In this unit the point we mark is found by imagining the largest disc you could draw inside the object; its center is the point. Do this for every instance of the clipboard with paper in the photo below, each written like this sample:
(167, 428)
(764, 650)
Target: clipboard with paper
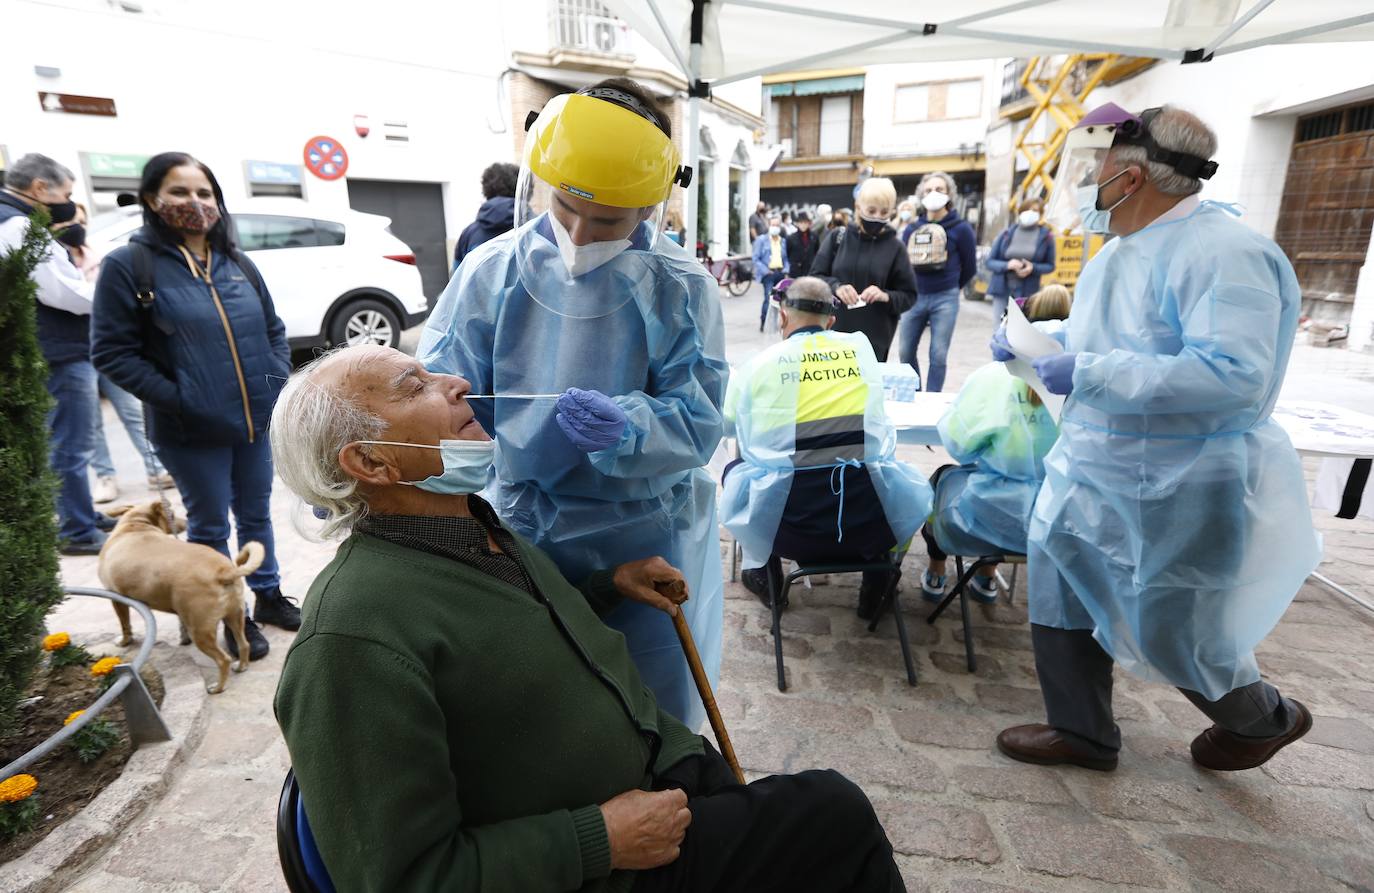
(1029, 343)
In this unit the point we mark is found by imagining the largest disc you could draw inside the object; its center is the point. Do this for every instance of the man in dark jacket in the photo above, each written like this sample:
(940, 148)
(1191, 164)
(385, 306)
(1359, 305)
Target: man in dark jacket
(497, 214)
(64, 323)
(940, 278)
(802, 246)
(866, 267)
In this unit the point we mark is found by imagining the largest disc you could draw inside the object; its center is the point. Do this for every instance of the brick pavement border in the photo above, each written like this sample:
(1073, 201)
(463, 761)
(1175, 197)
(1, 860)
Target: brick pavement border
(58, 859)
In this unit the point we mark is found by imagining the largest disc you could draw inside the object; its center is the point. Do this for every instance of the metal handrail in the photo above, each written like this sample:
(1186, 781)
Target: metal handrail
(126, 678)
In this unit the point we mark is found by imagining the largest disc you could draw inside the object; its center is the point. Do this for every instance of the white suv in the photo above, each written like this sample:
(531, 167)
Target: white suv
(335, 277)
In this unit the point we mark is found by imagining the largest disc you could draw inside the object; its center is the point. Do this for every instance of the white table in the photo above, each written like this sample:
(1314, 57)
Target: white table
(916, 420)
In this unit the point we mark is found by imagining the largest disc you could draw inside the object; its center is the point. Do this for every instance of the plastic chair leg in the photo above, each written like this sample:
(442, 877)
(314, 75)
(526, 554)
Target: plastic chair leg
(901, 631)
(776, 591)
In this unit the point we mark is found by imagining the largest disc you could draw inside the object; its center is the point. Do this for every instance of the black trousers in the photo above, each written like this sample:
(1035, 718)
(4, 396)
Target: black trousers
(1076, 681)
(813, 831)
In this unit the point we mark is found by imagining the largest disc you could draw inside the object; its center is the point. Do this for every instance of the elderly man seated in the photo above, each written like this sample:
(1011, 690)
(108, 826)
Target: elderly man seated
(817, 476)
(458, 716)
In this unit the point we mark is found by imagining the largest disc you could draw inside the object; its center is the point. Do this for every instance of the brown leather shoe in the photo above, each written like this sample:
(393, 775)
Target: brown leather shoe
(1045, 745)
(1226, 751)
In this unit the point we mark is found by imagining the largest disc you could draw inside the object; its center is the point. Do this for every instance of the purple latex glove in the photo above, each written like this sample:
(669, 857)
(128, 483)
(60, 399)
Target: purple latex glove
(590, 419)
(1001, 349)
(1056, 371)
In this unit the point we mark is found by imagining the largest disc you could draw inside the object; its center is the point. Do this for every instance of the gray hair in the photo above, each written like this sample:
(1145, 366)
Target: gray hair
(809, 288)
(310, 425)
(1180, 131)
(950, 188)
(36, 167)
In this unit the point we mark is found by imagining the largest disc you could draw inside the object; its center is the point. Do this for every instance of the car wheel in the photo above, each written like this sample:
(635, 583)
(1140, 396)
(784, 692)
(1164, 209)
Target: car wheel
(365, 322)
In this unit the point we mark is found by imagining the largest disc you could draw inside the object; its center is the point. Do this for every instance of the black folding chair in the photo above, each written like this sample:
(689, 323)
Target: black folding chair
(960, 591)
(779, 585)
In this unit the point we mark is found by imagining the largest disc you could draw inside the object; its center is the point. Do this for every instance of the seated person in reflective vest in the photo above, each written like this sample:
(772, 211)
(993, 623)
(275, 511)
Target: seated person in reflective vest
(458, 715)
(999, 432)
(817, 479)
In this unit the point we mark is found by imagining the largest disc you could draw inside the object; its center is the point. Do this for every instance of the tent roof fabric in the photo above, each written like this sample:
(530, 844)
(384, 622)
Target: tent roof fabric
(748, 38)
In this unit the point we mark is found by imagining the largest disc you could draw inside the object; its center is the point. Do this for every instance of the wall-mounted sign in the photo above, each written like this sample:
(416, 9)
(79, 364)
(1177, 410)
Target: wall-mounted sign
(72, 104)
(274, 172)
(326, 158)
(103, 164)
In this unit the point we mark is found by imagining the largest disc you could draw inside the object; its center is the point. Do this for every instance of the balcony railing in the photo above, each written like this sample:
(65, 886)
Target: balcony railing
(588, 26)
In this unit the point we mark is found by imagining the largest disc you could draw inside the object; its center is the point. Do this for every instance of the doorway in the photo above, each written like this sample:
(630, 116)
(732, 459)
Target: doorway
(417, 218)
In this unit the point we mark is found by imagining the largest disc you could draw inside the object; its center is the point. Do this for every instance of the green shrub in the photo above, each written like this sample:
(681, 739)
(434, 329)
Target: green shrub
(94, 739)
(28, 535)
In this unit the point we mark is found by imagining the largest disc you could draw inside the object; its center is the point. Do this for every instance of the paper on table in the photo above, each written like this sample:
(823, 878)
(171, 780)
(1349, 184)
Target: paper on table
(1029, 343)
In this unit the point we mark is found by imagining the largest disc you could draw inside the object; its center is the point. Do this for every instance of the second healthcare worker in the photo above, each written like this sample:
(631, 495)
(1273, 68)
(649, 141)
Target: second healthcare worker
(586, 300)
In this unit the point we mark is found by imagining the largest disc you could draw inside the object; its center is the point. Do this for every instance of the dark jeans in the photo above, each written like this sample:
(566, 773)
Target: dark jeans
(939, 311)
(214, 480)
(813, 831)
(772, 278)
(71, 432)
(1076, 681)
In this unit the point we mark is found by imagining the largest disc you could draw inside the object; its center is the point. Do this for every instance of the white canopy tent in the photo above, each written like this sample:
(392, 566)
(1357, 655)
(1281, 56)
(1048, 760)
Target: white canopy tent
(717, 42)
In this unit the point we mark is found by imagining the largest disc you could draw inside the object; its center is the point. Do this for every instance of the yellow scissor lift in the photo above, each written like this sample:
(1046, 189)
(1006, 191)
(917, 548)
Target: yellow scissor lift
(1057, 88)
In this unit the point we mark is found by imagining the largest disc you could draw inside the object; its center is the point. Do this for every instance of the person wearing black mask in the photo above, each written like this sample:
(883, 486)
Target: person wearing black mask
(802, 246)
(867, 268)
(64, 319)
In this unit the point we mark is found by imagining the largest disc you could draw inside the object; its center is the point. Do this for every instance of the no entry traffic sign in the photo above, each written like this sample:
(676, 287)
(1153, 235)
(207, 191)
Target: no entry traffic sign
(325, 158)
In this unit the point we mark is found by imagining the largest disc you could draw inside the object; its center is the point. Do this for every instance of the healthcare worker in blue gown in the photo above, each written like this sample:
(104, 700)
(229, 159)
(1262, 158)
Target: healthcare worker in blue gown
(1172, 529)
(584, 299)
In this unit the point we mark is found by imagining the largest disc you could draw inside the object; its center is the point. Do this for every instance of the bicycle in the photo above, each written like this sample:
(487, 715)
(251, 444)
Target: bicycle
(735, 274)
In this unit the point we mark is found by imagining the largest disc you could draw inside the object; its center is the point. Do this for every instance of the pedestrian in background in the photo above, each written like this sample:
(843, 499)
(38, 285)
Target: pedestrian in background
(1019, 257)
(802, 247)
(130, 411)
(943, 252)
(867, 268)
(184, 322)
(758, 222)
(770, 262)
(63, 318)
(497, 214)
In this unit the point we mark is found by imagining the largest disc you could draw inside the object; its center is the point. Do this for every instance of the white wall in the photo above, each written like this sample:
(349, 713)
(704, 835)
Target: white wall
(256, 80)
(1251, 99)
(884, 136)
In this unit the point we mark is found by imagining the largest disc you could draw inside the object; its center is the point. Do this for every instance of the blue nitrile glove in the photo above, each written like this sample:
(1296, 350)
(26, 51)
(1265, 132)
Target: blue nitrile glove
(1056, 371)
(590, 419)
(1001, 348)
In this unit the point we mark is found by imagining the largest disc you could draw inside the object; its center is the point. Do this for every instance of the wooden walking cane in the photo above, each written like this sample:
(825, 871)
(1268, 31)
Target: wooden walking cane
(708, 700)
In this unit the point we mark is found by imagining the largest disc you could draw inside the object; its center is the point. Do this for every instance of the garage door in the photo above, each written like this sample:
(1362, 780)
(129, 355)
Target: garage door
(1328, 207)
(417, 218)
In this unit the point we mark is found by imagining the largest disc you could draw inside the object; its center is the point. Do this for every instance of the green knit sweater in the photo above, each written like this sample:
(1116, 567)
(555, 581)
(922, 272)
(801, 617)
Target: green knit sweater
(451, 732)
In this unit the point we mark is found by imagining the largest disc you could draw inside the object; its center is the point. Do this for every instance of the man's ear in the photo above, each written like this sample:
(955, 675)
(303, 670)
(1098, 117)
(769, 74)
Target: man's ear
(782, 317)
(364, 466)
(830, 321)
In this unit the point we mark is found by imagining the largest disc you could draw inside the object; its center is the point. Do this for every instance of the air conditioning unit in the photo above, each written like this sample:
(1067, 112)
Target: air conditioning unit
(608, 35)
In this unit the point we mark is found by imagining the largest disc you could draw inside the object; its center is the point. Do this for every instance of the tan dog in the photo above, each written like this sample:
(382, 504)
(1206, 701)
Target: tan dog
(144, 561)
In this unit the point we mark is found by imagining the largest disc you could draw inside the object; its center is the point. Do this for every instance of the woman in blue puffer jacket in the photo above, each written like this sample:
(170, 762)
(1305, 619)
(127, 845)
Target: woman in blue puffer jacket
(1020, 256)
(183, 322)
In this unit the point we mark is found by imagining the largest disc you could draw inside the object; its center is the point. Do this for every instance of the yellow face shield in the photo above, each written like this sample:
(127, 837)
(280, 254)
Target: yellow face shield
(601, 152)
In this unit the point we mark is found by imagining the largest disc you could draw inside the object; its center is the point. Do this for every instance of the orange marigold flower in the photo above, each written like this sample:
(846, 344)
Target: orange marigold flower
(17, 787)
(69, 720)
(105, 666)
(56, 641)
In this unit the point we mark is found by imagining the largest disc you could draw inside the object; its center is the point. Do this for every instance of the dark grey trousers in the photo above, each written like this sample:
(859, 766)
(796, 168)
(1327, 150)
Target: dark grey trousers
(1076, 682)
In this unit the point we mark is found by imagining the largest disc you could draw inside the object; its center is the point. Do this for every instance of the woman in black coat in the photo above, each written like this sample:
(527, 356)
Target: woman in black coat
(183, 321)
(867, 268)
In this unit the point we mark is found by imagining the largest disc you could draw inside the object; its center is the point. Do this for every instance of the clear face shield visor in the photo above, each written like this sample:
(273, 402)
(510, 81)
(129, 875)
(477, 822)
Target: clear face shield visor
(583, 222)
(1084, 155)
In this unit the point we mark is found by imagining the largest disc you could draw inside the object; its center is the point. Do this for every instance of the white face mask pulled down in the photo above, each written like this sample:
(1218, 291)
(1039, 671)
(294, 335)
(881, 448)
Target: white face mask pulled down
(581, 259)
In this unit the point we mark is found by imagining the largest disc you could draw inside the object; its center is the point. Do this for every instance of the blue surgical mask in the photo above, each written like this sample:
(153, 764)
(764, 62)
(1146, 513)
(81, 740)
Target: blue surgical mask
(1095, 219)
(466, 464)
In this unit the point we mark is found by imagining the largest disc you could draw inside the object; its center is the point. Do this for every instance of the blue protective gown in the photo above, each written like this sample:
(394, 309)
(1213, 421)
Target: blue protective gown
(769, 404)
(1173, 519)
(999, 437)
(646, 330)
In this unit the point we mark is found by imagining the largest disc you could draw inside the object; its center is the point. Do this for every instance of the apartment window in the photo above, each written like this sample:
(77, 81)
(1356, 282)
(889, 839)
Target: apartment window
(835, 125)
(938, 101)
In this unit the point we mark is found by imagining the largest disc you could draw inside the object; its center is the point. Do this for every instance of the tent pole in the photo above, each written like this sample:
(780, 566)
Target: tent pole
(696, 91)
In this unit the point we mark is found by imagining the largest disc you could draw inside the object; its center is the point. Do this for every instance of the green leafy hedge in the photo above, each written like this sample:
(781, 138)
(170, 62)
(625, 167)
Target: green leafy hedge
(28, 533)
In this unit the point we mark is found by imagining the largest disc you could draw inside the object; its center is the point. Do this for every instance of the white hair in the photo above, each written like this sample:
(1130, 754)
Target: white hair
(878, 190)
(310, 425)
(1178, 130)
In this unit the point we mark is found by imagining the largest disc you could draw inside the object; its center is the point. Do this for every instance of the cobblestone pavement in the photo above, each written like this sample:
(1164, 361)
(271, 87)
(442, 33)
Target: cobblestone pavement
(962, 817)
